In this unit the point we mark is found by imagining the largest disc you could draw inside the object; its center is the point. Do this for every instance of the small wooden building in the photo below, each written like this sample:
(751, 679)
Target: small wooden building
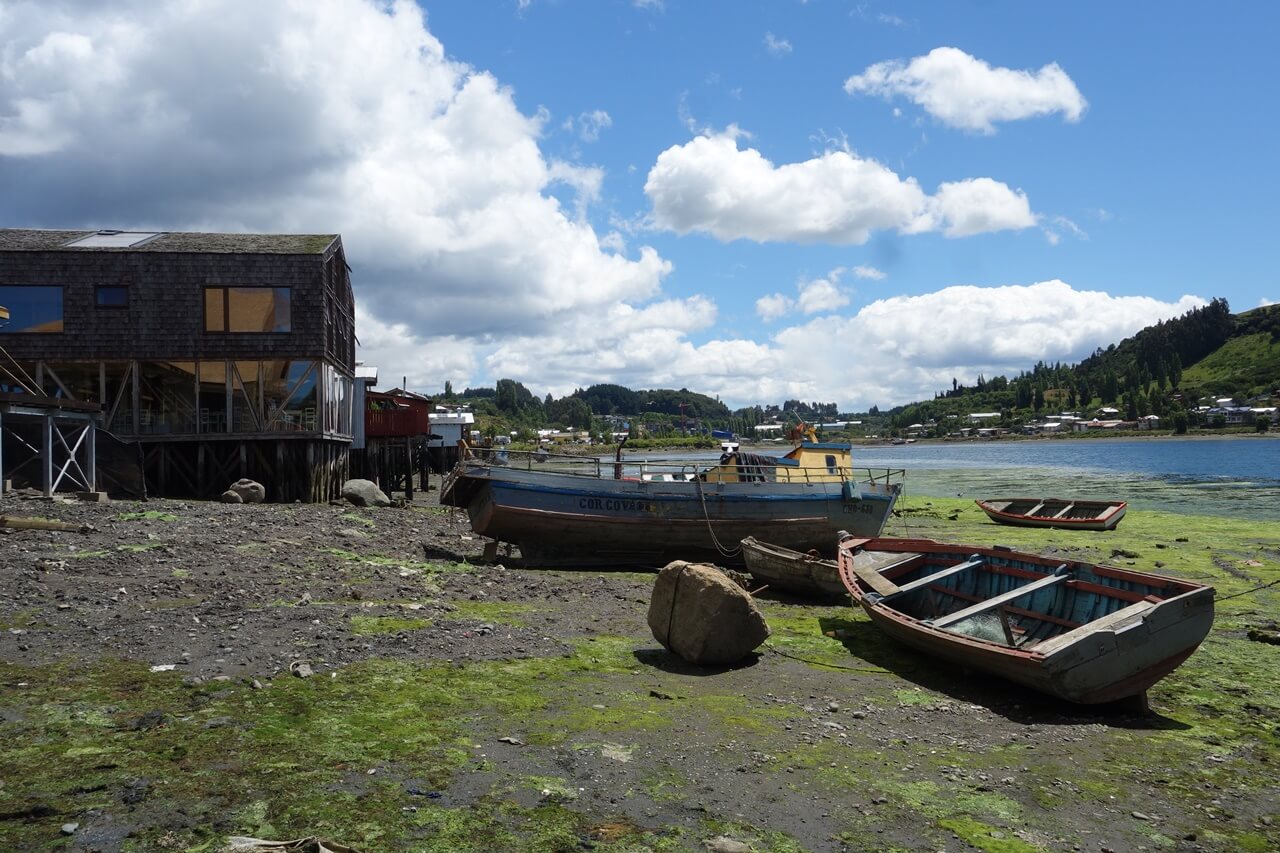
(397, 427)
(224, 355)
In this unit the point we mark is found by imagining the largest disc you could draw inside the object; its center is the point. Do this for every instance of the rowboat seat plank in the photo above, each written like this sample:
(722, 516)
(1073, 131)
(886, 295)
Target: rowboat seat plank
(868, 566)
(1108, 622)
(998, 600)
(1066, 509)
(972, 562)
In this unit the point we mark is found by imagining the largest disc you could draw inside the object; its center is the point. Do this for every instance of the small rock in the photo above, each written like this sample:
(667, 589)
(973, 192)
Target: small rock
(301, 668)
(725, 844)
(230, 497)
(250, 491)
(514, 741)
(255, 684)
(70, 828)
(1140, 816)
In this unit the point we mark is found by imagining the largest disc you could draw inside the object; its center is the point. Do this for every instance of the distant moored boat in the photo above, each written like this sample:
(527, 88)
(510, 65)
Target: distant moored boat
(1054, 512)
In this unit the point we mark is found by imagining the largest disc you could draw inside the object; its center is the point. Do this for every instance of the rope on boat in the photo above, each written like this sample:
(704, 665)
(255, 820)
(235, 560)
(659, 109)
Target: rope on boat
(1246, 592)
(702, 498)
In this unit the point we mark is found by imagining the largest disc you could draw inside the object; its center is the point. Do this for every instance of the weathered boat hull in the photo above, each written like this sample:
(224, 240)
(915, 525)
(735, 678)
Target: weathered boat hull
(1097, 633)
(796, 572)
(1054, 512)
(567, 519)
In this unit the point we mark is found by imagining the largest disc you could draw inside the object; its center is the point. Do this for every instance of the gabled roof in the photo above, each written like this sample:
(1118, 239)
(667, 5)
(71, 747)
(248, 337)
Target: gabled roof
(33, 240)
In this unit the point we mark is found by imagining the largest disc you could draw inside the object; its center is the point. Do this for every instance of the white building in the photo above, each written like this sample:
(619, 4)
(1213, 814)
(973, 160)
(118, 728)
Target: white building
(451, 425)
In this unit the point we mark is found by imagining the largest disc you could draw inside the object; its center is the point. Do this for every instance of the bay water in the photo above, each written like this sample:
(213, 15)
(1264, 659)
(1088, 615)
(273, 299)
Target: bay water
(1236, 477)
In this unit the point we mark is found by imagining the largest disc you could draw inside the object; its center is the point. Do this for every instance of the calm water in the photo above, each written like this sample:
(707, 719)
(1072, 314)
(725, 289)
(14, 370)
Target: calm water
(1233, 477)
(1239, 478)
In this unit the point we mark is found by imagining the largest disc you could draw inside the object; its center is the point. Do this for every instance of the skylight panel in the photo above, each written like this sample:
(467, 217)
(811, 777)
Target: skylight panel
(114, 240)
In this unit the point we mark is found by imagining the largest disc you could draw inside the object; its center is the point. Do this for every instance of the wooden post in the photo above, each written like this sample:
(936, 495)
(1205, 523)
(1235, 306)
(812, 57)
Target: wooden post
(46, 456)
(408, 469)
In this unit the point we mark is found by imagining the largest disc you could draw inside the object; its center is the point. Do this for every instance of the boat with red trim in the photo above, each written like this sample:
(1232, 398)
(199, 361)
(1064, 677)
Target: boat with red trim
(1079, 631)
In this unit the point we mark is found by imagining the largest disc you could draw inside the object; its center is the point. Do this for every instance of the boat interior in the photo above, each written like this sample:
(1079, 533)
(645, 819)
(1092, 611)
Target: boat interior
(1003, 600)
(1053, 508)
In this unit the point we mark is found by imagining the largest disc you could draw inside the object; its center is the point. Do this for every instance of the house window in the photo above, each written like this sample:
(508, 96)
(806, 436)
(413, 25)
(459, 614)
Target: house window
(32, 309)
(247, 309)
(111, 296)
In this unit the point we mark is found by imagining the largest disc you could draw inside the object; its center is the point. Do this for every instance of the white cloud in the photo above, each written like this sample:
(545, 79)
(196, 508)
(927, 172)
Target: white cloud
(711, 185)
(773, 306)
(1060, 224)
(817, 295)
(590, 124)
(775, 45)
(980, 205)
(346, 116)
(965, 92)
(821, 296)
(908, 347)
(870, 272)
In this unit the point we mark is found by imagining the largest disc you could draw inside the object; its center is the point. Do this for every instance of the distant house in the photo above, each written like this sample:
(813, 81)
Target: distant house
(979, 417)
(222, 355)
(1106, 412)
(1149, 422)
(1096, 424)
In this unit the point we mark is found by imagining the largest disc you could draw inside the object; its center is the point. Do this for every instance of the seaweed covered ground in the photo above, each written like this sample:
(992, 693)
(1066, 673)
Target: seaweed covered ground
(152, 698)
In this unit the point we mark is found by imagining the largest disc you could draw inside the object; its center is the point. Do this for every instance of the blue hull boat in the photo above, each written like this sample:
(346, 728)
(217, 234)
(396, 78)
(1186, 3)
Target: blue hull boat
(566, 511)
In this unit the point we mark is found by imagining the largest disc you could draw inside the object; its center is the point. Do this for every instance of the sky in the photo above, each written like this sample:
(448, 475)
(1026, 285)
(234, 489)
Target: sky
(760, 200)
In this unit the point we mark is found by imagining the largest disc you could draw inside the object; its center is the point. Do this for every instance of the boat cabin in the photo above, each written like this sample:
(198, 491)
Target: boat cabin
(809, 461)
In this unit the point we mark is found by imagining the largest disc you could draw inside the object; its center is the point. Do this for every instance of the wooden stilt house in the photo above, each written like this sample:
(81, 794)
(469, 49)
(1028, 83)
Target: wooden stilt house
(223, 355)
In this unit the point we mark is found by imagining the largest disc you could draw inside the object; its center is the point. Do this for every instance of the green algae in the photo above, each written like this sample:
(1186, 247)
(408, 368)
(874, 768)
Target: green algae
(148, 515)
(986, 838)
(504, 612)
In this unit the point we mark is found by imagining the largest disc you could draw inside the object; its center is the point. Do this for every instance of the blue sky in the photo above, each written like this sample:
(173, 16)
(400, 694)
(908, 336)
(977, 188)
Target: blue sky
(836, 201)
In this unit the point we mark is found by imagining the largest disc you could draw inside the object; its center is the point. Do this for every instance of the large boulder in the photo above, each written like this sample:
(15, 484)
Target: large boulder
(700, 614)
(364, 493)
(250, 491)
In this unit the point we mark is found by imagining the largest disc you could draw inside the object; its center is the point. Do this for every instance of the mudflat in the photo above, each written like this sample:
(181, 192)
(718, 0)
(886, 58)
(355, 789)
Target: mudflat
(190, 671)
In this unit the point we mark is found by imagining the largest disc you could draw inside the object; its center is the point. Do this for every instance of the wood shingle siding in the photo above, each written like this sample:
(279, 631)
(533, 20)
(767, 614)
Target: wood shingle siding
(163, 321)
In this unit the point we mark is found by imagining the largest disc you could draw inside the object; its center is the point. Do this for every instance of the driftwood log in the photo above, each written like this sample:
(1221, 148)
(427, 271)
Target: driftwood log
(12, 522)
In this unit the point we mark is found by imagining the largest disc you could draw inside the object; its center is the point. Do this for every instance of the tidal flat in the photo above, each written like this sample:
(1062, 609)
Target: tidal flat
(148, 696)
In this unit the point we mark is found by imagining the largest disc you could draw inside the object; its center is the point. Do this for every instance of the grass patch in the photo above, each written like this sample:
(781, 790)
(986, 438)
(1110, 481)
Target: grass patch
(148, 515)
(357, 518)
(504, 612)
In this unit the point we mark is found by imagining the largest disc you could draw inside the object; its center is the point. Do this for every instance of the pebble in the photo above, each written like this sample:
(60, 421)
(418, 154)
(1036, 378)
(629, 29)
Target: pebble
(70, 828)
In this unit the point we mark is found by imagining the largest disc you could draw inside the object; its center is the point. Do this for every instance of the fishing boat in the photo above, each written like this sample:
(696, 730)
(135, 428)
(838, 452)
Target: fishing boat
(800, 573)
(1055, 512)
(569, 510)
(1081, 632)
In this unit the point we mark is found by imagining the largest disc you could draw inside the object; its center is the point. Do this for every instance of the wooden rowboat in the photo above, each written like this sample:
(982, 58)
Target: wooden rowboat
(1078, 631)
(797, 572)
(1055, 512)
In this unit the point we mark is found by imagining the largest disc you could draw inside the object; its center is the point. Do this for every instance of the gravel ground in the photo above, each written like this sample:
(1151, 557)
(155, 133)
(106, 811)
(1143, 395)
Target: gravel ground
(829, 739)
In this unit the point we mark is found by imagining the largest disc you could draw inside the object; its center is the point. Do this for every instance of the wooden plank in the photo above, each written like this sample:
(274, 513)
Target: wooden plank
(875, 580)
(998, 601)
(972, 562)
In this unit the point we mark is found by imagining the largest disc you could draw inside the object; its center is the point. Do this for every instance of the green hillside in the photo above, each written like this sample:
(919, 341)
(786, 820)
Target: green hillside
(1245, 366)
